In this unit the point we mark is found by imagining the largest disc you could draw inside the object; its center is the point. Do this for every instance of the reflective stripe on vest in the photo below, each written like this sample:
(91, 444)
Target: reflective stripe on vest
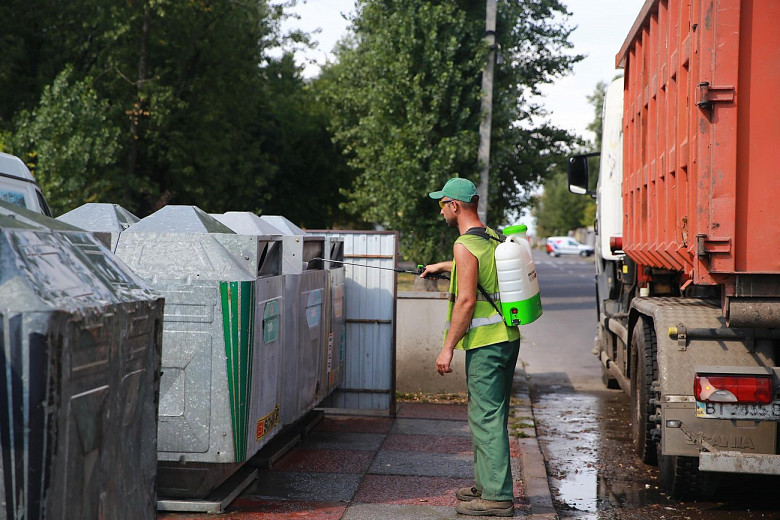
(480, 322)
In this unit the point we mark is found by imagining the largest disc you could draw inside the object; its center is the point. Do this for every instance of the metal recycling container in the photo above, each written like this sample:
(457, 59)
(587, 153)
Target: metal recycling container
(267, 384)
(105, 221)
(335, 313)
(208, 275)
(305, 284)
(80, 342)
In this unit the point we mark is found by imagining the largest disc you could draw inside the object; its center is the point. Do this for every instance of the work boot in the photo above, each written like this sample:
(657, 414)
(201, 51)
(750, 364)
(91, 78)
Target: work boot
(467, 494)
(480, 507)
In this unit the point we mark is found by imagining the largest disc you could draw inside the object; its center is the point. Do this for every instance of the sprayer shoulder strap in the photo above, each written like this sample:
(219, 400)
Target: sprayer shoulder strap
(482, 233)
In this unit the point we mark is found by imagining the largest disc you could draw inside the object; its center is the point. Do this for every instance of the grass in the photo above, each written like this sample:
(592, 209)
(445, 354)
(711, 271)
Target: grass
(420, 397)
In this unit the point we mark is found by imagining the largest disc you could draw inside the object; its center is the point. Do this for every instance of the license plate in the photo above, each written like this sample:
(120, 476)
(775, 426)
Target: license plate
(751, 412)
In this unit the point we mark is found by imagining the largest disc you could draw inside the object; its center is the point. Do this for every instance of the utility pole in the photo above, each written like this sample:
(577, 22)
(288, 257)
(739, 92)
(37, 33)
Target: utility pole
(487, 109)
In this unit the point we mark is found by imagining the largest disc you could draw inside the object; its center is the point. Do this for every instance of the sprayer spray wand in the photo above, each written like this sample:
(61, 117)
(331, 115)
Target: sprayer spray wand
(420, 269)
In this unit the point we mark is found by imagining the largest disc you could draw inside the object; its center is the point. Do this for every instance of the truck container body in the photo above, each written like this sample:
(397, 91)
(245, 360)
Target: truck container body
(699, 169)
(688, 284)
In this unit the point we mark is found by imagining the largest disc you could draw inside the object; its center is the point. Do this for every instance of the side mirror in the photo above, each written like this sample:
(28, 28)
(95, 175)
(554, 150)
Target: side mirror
(578, 174)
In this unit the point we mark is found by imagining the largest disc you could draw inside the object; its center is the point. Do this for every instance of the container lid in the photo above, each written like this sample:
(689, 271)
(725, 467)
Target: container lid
(513, 230)
(283, 225)
(97, 216)
(33, 218)
(179, 219)
(246, 223)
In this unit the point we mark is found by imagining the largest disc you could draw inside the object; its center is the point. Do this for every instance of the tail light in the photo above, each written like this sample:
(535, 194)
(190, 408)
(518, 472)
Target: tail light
(732, 389)
(616, 244)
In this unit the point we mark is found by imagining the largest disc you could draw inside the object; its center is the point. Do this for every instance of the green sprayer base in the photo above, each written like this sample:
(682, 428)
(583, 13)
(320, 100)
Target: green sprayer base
(523, 312)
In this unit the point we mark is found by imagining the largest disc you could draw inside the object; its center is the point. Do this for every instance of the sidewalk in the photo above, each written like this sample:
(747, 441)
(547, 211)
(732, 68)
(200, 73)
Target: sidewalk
(404, 468)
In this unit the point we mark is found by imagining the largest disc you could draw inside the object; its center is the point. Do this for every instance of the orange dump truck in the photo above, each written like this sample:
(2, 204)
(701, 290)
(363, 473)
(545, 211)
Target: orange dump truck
(688, 252)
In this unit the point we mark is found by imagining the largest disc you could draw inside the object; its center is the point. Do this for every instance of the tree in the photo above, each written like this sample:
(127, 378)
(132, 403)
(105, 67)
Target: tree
(74, 143)
(189, 107)
(406, 96)
(597, 101)
(558, 210)
(311, 169)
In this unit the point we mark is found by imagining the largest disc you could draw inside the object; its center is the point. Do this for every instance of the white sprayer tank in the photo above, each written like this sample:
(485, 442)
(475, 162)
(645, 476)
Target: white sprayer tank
(517, 283)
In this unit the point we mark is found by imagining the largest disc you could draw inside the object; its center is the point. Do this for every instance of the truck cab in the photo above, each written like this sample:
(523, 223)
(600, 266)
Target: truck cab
(18, 186)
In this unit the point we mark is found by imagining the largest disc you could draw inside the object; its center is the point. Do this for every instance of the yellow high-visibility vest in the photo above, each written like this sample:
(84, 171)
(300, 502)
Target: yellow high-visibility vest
(487, 325)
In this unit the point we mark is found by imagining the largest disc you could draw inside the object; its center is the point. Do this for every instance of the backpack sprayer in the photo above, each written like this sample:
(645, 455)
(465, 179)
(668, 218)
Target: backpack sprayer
(518, 286)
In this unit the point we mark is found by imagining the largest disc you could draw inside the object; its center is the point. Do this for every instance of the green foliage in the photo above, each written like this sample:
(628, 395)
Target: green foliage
(406, 96)
(558, 210)
(597, 101)
(188, 107)
(74, 143)
(306, 187)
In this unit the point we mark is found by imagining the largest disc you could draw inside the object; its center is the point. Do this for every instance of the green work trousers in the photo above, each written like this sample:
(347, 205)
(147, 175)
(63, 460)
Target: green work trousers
(489, 373)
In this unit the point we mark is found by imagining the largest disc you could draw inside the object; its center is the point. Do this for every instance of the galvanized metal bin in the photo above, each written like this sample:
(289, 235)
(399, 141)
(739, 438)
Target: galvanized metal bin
(105, 221)
(80, 349)
(335, 313)
(305, 284)
(208, 274)
(267, 383)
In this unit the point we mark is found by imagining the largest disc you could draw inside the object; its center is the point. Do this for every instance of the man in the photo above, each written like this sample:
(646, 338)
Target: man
(474, 325)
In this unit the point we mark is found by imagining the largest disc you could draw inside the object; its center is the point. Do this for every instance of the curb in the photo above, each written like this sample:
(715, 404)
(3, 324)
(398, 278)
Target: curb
(536, 487)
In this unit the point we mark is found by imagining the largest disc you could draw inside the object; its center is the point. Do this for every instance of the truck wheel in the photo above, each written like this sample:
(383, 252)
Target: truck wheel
(644, 370)
(682, 480)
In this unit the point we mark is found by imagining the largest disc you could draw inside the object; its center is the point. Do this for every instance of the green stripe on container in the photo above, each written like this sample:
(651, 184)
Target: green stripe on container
(238, 316)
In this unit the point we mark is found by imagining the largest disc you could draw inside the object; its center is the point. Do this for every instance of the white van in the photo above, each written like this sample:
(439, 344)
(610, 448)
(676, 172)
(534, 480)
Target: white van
(557, 246)
(18, 186)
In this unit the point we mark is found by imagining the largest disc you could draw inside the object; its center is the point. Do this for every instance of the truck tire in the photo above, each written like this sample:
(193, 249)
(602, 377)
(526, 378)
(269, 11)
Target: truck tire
(682, 480)
(644, 370)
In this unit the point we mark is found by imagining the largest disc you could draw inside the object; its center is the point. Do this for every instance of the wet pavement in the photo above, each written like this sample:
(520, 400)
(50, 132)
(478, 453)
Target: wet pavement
(350, 467)
(584, 429)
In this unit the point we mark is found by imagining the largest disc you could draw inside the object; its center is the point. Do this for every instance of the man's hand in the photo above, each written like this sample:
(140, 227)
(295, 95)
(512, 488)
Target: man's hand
(433, 269)
(443, 362)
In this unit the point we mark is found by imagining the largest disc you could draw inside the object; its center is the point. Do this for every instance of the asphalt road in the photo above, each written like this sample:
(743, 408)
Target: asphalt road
(584, 430)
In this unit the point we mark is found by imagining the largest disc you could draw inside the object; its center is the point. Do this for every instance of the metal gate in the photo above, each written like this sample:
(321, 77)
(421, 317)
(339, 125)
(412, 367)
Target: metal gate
(370, 306)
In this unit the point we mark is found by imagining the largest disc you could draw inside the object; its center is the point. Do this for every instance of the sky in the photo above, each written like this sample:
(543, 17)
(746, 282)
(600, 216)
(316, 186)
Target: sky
(601, 28)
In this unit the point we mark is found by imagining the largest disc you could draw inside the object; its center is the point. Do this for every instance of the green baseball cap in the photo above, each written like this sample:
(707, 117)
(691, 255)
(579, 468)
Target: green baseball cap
(456, 188)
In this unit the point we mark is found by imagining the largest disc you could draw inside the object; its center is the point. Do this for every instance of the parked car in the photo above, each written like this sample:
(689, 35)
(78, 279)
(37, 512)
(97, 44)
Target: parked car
(557, 246)
(18, 186)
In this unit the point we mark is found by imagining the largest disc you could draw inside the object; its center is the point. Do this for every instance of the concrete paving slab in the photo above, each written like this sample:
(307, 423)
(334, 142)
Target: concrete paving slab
(422, 464)
(433, 411)
(319, 440)
(248, 509)
(431, 427)
(406, 490)
(315, 487)
(356, 424)
(325, 461)
(400, 512)
(428, 444)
